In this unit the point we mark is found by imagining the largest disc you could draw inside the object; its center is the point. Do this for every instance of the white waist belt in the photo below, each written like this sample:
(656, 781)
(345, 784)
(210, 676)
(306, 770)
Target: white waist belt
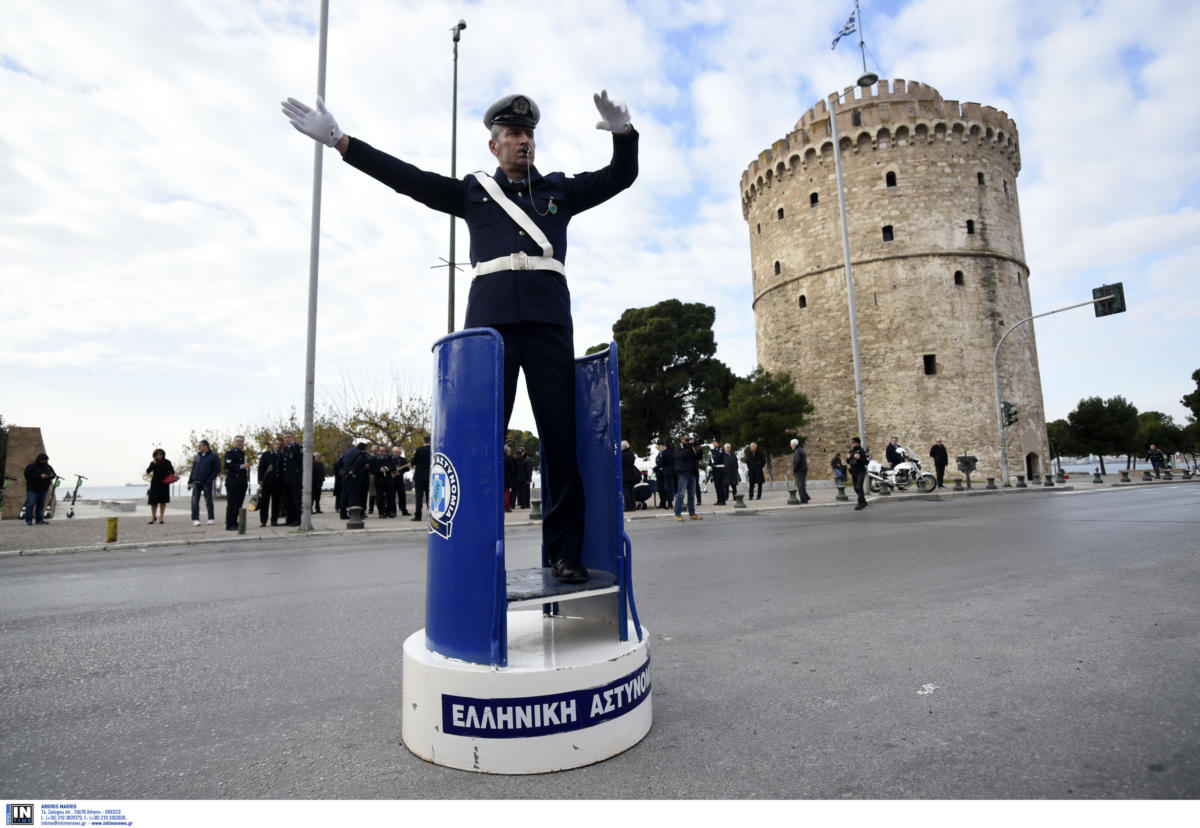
(519, 261)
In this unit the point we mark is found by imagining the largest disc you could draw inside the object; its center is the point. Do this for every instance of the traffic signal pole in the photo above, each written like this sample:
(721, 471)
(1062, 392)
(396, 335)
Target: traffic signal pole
(996, 377)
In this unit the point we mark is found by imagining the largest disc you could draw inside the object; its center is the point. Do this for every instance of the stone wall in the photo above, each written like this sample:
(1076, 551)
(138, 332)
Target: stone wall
(24, 445)
(932, 293)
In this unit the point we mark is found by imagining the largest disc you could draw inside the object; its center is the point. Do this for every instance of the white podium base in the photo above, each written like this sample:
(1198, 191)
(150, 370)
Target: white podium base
(571, 695)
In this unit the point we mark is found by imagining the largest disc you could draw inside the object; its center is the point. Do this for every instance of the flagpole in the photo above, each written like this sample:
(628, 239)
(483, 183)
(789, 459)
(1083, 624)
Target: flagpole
(862, 43)
(310, 357)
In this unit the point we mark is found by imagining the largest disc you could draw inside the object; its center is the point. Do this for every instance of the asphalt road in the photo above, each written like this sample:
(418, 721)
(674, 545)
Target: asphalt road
(1038, 646)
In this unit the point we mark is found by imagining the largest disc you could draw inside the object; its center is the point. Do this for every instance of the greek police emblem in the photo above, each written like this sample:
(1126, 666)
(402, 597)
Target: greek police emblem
(444, 493)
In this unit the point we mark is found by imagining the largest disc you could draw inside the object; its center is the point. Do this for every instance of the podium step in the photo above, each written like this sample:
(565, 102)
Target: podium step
(531, 587)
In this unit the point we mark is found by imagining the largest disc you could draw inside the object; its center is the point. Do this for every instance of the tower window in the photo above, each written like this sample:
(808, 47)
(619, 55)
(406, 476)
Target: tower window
(779, 213)
(970, 227)
(887, 233)
(930, 364)
(890, 179)
(1006, 189)
(812, 199)
(979, 178)
(856, 118)
(803, 301)
(760, 229)
(958, 277)
(777, 268)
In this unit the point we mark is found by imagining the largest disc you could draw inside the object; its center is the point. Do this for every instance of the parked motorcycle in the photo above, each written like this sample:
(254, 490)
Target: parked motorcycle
(907, 473)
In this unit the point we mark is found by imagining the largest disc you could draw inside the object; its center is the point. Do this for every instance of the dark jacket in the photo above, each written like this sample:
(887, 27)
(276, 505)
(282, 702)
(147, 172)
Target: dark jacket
(355, 465)
(664, 463)
(234, 458)
(856, 458)
(205, 468)
(939, 456)
(629, 469)
(893, 454)
(268, 468)
(800, 462)
(732, 475)
(717, 464)
(421, 460)
(509, 296)
(756, 461)
(34, 482)
(292, 463)
(318, 475)
(686, 461)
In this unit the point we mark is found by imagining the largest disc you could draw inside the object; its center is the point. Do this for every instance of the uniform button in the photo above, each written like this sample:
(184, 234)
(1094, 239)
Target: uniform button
(520, 193)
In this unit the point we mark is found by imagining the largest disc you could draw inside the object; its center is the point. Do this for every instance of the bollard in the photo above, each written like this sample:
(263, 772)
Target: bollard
(1060, 477)
(1166, 474)
(241, 521)
(356, 517)
(885, 490)
(1187, 474)
(1146, 475)
(958, 486)
(1096, 478)
(841, 492)
(792, 499)
(535, 508)
(1021, 482)
(991, 483)
(1125, 476)
(740, 503)
(110, 535)
(1049, 480)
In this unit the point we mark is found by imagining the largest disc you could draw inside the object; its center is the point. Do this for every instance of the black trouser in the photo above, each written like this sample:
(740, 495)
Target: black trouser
(401, 495)
(316, 495)
(941, 472)
(752, 485)
(722, 489)
(546, 355)
(268, 495)
(291, 500)
(384, 503)
(420, 493)
(666, 490)
(235, 495)
(859, 476)
(627, 494)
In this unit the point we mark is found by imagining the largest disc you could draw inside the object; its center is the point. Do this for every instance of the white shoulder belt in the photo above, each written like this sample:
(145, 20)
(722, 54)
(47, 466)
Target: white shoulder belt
(517, 261)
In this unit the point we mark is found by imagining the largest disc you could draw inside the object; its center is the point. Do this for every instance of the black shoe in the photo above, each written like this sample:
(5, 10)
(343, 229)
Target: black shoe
(569, 572)
(860, 506)
(343, 516)
(41, 522)
(406, 514)
(415, 518)
(274, 523)
(230, 528)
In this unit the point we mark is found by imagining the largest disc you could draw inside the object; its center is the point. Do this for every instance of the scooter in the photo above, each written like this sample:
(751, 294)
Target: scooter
(79, 478)
(52, 498)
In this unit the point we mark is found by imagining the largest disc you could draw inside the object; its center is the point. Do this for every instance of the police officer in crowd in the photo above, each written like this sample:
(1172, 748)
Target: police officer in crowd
(716, 465)
(856, 462)
(237, 480)
(517, 218)
(382, 469)
(422, 459)
(664, 473)
(318, 480)
(270, 486)
(355, 476)
(398, 496)
(291, 477)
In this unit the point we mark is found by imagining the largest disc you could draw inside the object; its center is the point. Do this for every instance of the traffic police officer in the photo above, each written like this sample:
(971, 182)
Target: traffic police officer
(518, 220)
(237, 479)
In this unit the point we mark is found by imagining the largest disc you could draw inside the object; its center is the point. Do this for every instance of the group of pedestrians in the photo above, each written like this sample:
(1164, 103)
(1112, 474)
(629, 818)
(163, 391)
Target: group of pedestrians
(374, 479)
(518, 476)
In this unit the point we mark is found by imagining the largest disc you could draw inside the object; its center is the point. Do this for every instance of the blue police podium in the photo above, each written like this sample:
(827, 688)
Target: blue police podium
(515, 672)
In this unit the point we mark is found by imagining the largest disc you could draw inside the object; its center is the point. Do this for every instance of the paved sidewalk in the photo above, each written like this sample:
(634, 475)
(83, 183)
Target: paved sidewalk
(86, 531)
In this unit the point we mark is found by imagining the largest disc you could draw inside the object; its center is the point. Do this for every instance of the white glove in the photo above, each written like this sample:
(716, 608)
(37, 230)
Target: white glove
(317, 123)
(615, 115)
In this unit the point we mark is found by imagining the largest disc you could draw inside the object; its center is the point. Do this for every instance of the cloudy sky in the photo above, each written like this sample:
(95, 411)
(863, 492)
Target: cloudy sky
(156, 204)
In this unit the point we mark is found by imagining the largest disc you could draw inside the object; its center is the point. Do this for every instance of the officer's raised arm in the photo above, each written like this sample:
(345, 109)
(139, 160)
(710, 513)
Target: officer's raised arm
(615, 116)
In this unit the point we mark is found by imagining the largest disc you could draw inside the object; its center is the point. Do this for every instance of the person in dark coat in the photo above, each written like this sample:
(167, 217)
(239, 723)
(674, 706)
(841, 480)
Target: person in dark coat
(1155, 457)
(717, 465)
(269, 483)
(39, 477)
(237, 480)
(318, 480)
(399, 467)
(894, 454)
(756, 461)
(206, 468)
(940, 460)
(291, 477)
(160, 491)
(422, 459)
(339, 490)
(383, 468)
(687, 468)
(800, 470)
(523, 477)
(664, 473)
(732, 476)
(630, 476)
(517, 219)
(856, 462)
(510, 471)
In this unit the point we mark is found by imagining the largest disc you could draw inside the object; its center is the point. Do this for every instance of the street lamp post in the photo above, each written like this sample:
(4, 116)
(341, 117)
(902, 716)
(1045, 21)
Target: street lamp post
(454, 33)
(866, 80)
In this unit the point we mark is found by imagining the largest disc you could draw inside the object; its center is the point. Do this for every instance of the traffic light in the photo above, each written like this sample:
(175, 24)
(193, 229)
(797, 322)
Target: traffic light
(1010, 413)
(1109, 306)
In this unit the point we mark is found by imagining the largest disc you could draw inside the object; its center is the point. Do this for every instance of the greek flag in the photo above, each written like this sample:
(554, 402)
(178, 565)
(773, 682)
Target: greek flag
(847, 29)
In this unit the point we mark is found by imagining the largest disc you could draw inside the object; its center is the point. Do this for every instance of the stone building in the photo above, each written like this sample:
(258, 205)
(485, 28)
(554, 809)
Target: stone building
(939, 273)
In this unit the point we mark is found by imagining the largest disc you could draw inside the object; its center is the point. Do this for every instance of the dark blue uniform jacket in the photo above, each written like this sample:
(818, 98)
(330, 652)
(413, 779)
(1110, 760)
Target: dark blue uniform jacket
(509, 296)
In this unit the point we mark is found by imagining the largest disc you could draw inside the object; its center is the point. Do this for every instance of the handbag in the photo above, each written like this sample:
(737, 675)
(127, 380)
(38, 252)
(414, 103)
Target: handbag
(252, 506)
(171, 478)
